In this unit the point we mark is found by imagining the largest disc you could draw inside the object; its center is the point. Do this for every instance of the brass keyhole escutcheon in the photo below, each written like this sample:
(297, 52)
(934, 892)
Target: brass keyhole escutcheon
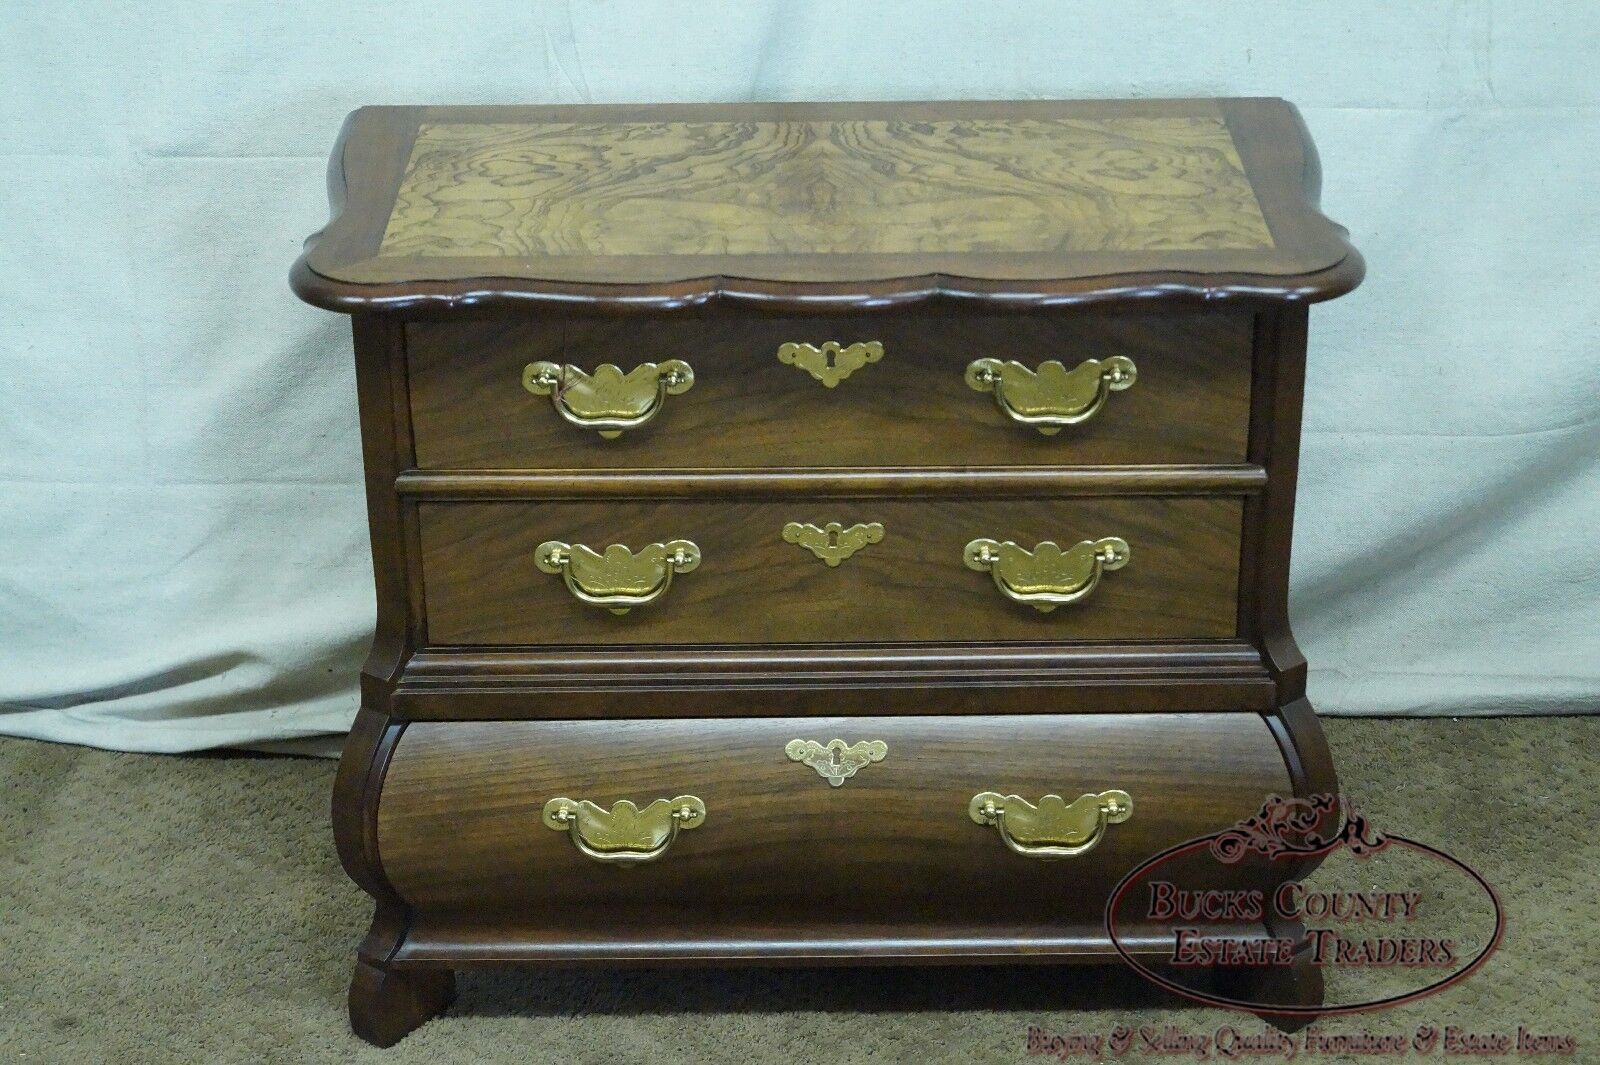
(832, 362)
(833, 543)
(836, 761)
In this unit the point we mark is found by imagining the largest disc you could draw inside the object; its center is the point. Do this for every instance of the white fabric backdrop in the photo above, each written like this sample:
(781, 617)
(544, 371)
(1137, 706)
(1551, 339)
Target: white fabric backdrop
(183, 557)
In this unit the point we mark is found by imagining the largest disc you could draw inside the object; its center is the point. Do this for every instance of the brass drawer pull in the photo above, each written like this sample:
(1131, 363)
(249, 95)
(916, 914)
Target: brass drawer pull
(624, 833)
(608, 400)
(1052, 397)
(619, 579)
(1047, 577)
(1054, 828)
(832, 362)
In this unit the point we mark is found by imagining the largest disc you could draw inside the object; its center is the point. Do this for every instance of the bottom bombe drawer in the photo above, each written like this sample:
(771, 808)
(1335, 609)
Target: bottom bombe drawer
(976, 821)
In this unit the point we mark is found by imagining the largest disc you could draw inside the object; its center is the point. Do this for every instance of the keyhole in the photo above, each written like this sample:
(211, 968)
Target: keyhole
(833, 755)
(828, 354)
(833, 538)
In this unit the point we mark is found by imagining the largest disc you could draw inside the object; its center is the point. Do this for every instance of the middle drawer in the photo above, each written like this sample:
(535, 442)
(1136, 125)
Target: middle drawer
(861, 571)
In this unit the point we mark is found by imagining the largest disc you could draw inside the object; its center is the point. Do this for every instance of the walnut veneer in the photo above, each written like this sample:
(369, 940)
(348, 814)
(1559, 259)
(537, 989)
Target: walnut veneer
(1191, 403)
(492, 259)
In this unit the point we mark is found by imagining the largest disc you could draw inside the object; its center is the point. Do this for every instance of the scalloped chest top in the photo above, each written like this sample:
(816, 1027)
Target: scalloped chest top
(817, 533)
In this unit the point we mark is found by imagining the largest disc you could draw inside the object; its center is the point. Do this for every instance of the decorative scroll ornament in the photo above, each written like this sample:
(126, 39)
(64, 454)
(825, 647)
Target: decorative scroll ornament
(1291, 826)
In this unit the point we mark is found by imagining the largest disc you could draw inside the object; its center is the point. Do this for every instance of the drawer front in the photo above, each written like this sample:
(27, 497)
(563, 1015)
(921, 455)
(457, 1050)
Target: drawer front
(464, 821)
(755, 582)
(1188, 402)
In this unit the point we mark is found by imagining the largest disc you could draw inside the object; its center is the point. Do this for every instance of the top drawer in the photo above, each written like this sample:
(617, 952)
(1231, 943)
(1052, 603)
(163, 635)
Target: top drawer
(908, 396)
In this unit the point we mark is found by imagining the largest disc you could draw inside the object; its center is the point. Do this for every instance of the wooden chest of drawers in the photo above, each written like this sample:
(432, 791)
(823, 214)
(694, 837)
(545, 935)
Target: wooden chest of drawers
(775, 508)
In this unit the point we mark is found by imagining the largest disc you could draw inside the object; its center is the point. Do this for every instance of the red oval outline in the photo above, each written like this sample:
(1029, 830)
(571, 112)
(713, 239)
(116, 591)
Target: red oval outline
(1303, 1011)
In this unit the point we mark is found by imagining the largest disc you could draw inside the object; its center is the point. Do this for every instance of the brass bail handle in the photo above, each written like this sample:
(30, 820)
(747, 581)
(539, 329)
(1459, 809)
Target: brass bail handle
(1052, 397)
(608, 401)
(1054, 828)
(1047, 577)
(617, 579)
(624, 833)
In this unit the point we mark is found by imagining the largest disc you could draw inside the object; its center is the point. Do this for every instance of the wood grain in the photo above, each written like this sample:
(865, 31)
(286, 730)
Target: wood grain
(1087, 206)
(1191, 402)
(751, 587)
(1120, 183)
(459, 825)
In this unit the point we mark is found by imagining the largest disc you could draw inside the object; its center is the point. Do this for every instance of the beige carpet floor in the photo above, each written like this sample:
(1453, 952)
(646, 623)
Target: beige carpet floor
(192, 910)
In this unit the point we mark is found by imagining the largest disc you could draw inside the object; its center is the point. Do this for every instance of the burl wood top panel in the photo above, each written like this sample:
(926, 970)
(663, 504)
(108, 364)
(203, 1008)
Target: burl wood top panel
(674, 205)
(563, 189)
